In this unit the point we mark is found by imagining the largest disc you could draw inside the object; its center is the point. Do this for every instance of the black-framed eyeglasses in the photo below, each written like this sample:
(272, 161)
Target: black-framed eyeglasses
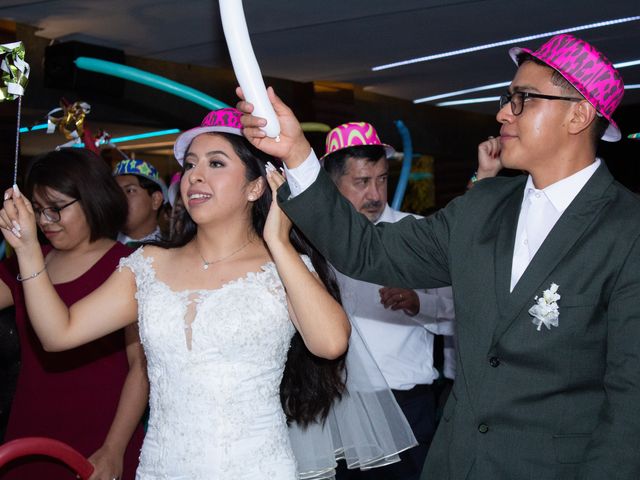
(516, 99)
(52, 213)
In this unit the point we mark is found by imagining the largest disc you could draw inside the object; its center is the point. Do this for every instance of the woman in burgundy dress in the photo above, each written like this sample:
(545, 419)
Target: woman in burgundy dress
(91, 397)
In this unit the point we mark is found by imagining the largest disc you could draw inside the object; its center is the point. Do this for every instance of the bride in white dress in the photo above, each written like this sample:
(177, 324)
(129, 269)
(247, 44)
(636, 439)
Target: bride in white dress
(217, 314)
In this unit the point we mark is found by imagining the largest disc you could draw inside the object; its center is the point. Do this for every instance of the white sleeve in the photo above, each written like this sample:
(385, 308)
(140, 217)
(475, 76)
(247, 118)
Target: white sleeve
(301, 177)
(437, 313)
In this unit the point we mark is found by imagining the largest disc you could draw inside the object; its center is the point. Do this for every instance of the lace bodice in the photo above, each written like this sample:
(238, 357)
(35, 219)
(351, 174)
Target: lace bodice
(215, 363)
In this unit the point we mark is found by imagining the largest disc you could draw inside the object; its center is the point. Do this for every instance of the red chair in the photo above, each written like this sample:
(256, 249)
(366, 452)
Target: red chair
(24, 447)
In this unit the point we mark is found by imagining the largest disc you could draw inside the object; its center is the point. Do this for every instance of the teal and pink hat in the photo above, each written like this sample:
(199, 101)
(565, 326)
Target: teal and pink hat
(588, 70)
(354, 134)
(224, 120)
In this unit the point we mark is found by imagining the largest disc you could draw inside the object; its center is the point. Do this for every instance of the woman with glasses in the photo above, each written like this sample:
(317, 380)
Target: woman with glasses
(91, 397)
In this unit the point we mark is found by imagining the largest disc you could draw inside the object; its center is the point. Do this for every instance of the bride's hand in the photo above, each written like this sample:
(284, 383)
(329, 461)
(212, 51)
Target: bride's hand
(277, 225)
(18, 221)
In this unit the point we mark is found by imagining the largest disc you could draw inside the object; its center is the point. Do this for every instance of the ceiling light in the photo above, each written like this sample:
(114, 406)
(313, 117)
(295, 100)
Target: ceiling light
(41, 126)
(495, 99)
(468, 101)
(487, 46)
(462, 92)
(139, 136)
(620, 65)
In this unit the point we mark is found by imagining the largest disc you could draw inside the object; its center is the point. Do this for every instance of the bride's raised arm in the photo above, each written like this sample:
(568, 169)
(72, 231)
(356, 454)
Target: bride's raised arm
(318, 317)
(107, 309)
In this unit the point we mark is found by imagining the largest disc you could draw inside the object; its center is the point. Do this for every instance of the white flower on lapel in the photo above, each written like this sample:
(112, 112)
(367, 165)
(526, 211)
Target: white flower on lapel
(545, 311)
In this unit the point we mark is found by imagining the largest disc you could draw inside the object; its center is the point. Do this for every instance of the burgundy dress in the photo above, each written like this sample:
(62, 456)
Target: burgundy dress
(71, 396)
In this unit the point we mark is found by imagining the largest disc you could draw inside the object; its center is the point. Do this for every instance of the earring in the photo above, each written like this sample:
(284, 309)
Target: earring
(252, 198)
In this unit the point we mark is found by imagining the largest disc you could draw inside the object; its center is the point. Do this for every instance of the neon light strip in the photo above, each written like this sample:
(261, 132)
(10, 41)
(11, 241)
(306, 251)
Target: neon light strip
(495, 99)
(630, 63)
(487, 46)
(468, 101)
(144, 135)
(127, 138)
(41, 126)
(462, 92)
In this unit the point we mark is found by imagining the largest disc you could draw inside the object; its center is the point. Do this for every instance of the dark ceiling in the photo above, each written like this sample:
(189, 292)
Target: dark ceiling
(341, 40)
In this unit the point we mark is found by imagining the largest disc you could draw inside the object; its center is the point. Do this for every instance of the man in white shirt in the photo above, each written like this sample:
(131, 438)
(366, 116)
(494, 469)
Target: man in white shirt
(545, 270)
(398, 325)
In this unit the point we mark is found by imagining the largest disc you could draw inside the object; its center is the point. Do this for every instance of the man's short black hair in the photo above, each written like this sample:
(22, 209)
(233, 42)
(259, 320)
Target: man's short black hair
(336, 163)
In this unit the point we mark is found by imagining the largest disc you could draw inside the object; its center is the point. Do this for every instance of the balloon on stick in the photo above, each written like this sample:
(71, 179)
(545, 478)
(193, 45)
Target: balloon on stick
(14, 78)
(405, 171)
(245, 64)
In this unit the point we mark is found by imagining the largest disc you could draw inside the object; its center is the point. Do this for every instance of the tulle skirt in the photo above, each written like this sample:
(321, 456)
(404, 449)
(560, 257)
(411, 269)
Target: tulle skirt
(366, 427)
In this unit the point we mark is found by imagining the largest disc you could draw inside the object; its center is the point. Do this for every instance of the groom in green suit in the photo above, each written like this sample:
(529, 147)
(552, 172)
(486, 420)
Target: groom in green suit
(546, 273)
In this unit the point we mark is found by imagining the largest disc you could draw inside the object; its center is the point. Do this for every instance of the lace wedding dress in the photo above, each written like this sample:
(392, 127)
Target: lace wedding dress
(215, 362)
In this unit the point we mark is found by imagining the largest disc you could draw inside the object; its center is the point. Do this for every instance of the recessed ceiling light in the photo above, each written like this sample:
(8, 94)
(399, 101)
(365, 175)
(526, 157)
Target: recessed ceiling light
(487, 46)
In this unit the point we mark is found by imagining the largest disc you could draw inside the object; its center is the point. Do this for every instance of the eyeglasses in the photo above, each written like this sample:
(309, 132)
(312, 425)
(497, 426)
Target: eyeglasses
(517, 99)
(52, 213)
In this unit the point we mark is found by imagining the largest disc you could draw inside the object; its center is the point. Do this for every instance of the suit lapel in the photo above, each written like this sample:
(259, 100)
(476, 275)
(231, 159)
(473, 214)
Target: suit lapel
(569, 228)
(505, 242)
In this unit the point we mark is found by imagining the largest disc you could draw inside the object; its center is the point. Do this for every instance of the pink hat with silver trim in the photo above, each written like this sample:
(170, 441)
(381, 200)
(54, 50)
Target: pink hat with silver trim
(354, 134)
(588, 70)
(225, 120)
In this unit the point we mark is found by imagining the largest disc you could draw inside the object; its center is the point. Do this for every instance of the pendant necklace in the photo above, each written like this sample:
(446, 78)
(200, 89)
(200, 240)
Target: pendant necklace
(205, 263)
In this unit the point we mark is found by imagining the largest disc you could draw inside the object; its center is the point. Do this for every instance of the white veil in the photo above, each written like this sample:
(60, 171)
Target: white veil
(366, 427)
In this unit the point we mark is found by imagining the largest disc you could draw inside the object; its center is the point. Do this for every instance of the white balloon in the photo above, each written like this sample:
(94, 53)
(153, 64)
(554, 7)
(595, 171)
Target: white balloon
(245, 64)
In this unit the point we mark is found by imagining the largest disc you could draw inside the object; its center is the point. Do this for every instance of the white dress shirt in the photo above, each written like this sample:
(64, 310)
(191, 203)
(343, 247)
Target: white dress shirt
(401, 345)
(539, 212)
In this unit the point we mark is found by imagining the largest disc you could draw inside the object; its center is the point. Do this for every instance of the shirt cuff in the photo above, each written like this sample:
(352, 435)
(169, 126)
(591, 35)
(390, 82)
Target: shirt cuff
(301, 177)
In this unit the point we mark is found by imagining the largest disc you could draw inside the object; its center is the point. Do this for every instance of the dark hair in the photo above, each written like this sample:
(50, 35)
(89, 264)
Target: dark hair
(310, 384)
(79, 173)
(599, 125)
(149, 185)
(336, 163)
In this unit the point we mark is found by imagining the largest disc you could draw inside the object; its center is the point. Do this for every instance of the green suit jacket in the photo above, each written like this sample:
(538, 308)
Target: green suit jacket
(558, 404)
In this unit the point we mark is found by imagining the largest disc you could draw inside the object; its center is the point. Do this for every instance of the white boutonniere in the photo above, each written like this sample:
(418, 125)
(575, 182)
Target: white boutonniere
(546, 311)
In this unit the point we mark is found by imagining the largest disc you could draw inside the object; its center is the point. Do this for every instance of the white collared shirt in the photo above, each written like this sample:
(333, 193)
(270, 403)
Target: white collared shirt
(151, 237)
(549, 203)
(400, 344)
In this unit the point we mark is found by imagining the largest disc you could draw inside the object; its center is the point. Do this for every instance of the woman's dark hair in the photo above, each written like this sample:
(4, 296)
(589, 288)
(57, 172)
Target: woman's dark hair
(310, 384)
(83, 175)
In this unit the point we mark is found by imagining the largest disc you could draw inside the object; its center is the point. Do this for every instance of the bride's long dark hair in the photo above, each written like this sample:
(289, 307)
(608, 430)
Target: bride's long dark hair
(310, 384)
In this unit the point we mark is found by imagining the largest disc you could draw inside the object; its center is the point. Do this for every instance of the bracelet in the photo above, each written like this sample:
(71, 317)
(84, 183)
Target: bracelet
(20, 278)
